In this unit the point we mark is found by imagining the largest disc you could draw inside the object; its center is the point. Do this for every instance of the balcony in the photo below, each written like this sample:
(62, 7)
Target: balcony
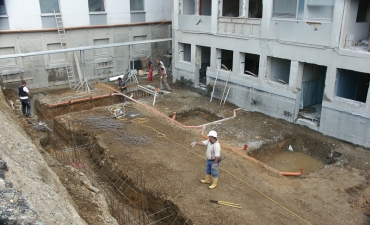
(239, 26)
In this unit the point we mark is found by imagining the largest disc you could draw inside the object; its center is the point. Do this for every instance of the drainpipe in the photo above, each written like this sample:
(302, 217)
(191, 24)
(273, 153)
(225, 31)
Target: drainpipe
(296, 174)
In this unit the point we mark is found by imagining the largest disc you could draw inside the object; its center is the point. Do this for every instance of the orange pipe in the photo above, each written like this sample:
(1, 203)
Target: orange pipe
(203, 127)
(174, 116)
(296, 174)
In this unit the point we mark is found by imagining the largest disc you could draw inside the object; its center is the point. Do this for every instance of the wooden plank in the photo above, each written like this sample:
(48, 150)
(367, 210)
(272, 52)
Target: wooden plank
(17, 80)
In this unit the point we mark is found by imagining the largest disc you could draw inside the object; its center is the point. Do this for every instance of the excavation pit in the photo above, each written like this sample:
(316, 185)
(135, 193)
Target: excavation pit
(197, 116)
(116, 150)
(283, 157)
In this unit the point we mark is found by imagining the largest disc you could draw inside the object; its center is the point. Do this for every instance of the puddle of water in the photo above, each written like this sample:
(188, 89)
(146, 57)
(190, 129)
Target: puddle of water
(287, 161)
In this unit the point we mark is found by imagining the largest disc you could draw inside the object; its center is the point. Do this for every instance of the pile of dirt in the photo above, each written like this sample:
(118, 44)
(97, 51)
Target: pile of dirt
(31, 193)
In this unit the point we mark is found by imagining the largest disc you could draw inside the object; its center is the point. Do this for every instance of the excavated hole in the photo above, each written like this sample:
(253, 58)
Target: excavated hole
(197, 116)
(127, 198)
(291, 154)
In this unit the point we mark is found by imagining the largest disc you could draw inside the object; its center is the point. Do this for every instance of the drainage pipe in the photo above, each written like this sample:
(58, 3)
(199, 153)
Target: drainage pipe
(296, 174)
(174, 116)
(170, 119)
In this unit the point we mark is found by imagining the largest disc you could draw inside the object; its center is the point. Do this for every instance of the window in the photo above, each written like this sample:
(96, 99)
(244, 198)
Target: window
(96, 5)
(136, 5)
(250, 64)
(53, 58)
(225, 58)
(320, 9)
(230, 8)
(185, 52)
(255, 9)
(101, 52)
(279, 70)
(2, 8)
(189, 7)
(363, 11)
(49, 6)
(9, 62)
(285, 8)
(205, 7)
(352, 85)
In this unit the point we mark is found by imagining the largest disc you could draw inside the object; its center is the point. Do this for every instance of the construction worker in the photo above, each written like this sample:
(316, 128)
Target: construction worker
(163, 79)
(23, 93)
(122, 86)
(213, 158)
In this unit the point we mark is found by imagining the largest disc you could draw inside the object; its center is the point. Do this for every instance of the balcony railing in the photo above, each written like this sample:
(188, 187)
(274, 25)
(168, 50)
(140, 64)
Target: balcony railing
(239, 26)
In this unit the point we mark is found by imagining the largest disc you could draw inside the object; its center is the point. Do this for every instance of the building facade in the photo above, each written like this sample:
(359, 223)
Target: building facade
(32, 26)
(304, 61)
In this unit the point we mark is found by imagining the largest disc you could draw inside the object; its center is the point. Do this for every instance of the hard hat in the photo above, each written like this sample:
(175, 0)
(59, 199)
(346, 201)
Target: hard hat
(212, 133)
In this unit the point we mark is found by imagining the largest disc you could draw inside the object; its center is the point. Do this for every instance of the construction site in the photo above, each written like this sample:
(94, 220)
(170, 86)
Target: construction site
(292, 127)
(132, 163)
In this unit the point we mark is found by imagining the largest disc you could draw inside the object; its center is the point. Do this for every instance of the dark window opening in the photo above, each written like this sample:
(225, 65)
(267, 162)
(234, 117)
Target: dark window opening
(227, 59)
(352, 85)
(251, 64)
(49, 6)
(205, 62)
(230, 8)
(96, 5)
(280, 70)
(205, 7)
(2, 8)
(363, 11)
(255, 9)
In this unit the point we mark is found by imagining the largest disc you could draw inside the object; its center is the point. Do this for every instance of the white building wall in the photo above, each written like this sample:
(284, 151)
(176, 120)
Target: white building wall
(24, 14)
(300, 41)
(75, 13)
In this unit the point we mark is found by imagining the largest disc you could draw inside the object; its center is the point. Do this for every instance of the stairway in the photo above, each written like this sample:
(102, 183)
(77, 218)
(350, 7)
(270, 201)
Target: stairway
(64, 45)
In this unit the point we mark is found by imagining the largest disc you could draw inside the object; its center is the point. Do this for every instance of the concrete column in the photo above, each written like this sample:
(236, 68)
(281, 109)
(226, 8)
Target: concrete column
(295, 74)
(213, 58)
(299, 78)
(331, 76)
(266, 16)
(196, 53)
(338, 15)
(216, 5)
(244, 8)
(175, 14)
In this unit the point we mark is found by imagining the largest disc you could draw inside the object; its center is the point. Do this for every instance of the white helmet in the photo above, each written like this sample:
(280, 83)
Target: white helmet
(212, 133)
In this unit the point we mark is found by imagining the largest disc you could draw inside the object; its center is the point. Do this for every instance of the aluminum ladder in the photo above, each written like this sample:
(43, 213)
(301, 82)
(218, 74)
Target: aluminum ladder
(64, 45)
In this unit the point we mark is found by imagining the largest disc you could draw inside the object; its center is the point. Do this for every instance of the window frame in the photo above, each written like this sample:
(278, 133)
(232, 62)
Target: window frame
(6, 11)
(43, 13)
(97, 11)
(138, 10)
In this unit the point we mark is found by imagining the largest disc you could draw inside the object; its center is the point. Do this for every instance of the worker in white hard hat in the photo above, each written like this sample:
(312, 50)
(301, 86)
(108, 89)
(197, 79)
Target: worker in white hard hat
(213, 158)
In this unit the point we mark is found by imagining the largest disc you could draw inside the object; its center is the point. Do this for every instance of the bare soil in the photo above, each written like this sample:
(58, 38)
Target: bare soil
(338, 193)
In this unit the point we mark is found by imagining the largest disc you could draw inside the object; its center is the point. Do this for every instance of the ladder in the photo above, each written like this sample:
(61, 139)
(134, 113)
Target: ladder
(63, 43)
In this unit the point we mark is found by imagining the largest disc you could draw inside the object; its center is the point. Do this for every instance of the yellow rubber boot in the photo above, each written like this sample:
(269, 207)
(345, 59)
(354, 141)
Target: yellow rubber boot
(207, 180)
(214, 184)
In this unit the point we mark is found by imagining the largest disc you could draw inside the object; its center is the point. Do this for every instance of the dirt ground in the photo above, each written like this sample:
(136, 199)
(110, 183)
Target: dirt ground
(338, 193)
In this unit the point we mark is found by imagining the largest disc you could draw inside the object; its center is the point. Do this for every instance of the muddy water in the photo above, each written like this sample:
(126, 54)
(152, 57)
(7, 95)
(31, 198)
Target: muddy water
(287, 161)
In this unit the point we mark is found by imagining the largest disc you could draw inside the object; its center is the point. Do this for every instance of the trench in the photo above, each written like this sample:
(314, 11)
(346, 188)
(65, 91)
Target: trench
(128, 200)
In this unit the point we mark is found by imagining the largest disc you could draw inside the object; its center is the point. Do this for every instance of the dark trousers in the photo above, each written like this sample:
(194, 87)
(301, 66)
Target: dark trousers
(26, 107)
